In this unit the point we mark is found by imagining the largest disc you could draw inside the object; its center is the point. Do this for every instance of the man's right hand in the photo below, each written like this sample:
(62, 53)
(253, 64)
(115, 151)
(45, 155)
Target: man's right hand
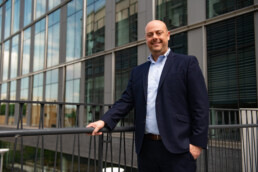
(97, 126)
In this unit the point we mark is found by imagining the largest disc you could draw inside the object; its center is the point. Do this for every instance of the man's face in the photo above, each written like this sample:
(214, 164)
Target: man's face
(157, 38)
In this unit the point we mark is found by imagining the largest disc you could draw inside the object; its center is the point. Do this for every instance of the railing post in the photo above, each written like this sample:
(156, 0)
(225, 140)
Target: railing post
(100, 154)
(206, 159)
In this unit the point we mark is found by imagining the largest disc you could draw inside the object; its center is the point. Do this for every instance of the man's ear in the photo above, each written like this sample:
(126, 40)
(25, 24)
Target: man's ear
(168, 35)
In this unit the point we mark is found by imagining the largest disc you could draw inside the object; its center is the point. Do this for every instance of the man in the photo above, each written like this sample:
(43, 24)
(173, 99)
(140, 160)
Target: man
(170, 100)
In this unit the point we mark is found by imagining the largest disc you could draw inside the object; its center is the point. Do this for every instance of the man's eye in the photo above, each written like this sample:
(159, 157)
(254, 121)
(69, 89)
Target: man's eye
(149, 35)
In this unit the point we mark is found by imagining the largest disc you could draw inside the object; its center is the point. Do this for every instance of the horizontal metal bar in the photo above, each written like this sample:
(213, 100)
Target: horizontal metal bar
(233, 126)
(56, 131)
(57, 103)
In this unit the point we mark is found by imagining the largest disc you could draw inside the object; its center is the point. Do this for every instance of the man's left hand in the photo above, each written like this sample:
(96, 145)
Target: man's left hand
(195, 151)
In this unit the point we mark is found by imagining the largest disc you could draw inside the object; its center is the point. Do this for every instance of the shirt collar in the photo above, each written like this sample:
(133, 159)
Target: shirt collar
(161, 57)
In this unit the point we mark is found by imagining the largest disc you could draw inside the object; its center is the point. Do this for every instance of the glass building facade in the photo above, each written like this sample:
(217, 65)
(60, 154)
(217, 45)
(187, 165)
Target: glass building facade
(77, 51)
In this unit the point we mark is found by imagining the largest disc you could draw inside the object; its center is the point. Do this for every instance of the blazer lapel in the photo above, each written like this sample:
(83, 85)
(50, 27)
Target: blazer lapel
(145, 79)
(167, 66)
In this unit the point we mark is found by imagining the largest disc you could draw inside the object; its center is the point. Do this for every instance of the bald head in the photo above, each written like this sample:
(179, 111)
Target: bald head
(156, 23)
(157, 37)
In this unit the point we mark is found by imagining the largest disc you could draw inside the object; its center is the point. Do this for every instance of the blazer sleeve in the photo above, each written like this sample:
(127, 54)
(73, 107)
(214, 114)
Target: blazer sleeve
(121, 107)
(198, 104)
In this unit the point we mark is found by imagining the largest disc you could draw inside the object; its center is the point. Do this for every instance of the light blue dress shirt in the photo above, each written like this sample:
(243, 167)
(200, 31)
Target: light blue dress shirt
(155, 71)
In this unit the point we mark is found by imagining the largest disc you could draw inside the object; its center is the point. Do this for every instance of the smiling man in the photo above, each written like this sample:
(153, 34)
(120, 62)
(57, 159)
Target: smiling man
(169, 96)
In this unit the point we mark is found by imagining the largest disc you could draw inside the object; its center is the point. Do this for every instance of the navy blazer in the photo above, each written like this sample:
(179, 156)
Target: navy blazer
(182, 107)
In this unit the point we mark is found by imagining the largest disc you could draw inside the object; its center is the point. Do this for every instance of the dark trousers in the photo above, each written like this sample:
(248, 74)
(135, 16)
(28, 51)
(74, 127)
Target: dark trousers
(154, 157)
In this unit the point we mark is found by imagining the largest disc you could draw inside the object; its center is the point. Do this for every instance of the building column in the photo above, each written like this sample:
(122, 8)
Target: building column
(197, 37)
(110, 25)
(256, 44)
(109, 79)
(146, 13)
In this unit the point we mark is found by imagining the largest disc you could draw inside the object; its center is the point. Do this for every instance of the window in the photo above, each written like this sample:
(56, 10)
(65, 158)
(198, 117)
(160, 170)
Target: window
(16, 17)
(3, 105)
(39, 45)
(72, 93)
(231, 63)
(126, 21)
(74, 31)
(12, 105)
(37, 96)
(26, 51)
(24, 95)
(6, 60)
(27, 12)
(53, 38)
(14, 56)
(8, 13)
(52, 4)
(178, 43)
(95, 26)
(50, 116)
(124, 63)
(94, 85)
(218, 7)
(172, 12)
(40, 7)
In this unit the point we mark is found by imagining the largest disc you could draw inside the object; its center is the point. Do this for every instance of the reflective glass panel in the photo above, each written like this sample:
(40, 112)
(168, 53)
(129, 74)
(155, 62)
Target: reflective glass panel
(53, 3)
(3, 105)
(39, 45)
(95, 26)
(94, 86)
(8, 13)
(16, 17)
(27, 12)
(124, 62)
(14, 56)
(26, 51)
(178, 43)
(37, 96)
(218, 7)
(50, 117)
(6, 60)
(24, 88)
(40, 7)
(72, 93)
(74, 31)
(172, 12)
(126, 21)
(53, 38)
(24, 95)
(12, 105)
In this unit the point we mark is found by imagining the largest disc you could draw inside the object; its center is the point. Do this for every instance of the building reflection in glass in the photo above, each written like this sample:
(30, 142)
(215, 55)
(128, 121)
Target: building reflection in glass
(74, 30)
(3, 105)
(72, 93)
(24, 95)
(124, 62)
(53, 38)
(39, 45)
(51, 95)
(126, 21)
(172, 12)
(12, 105)
(26, 51)
(37, 96)
(95, 26)
(94, 86)
(14, 56)
(5, 61)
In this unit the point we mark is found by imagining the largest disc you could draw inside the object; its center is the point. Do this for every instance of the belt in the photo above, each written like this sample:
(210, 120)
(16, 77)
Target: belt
(152, 136)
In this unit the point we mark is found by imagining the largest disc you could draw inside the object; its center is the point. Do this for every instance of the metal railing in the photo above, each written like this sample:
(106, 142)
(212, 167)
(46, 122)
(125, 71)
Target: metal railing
(231, 147)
